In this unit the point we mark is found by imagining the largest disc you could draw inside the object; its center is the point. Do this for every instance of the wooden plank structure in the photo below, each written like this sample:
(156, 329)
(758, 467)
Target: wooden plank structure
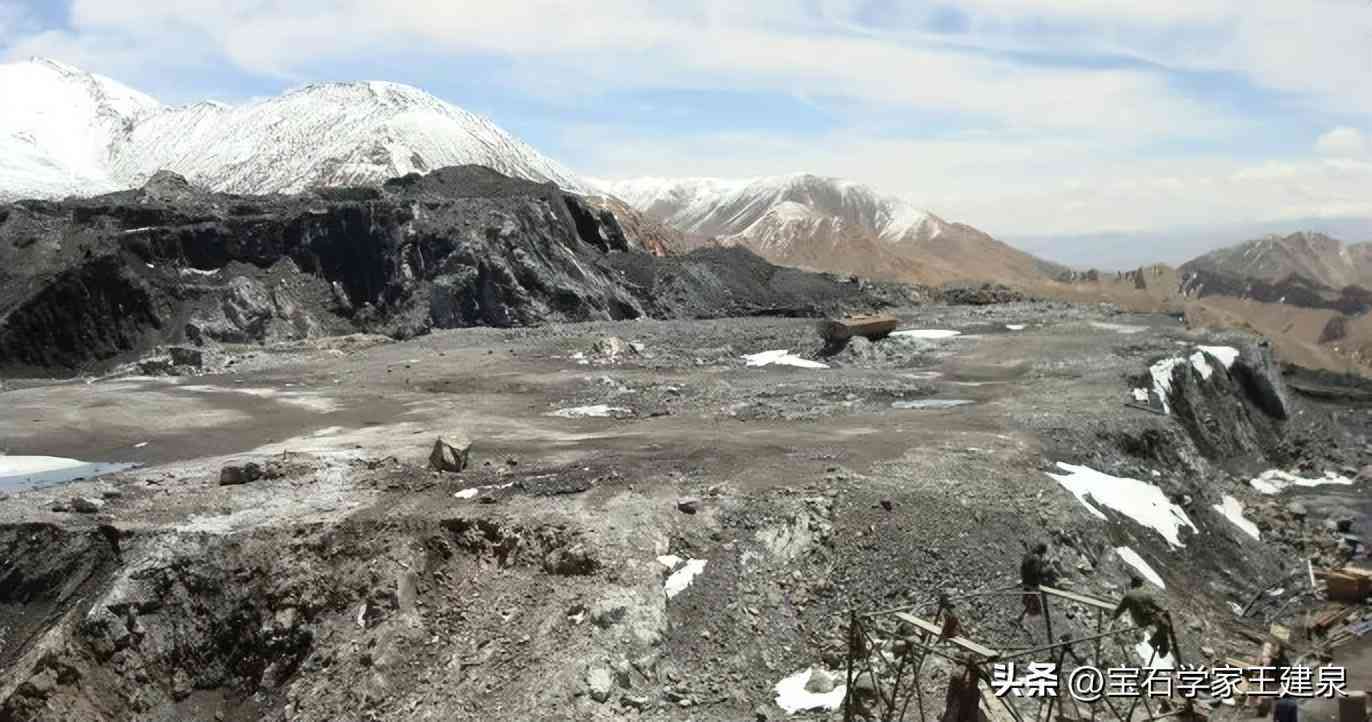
(885, 663)
(870, 326)
(1079, 598)
(961, 642)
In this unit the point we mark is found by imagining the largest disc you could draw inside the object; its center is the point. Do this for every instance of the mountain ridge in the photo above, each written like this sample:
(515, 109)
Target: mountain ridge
(831, 224)
(321, 134)
(1314, 256)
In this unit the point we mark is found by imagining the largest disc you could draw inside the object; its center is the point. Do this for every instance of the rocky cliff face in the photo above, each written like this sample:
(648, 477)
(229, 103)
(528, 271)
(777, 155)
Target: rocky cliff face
(84, 281)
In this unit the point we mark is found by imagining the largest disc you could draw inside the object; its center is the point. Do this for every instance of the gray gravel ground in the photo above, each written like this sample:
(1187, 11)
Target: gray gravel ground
(362, 586)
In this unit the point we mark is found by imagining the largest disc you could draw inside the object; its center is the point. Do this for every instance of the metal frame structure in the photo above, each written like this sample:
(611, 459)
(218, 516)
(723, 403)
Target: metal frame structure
(865, 655)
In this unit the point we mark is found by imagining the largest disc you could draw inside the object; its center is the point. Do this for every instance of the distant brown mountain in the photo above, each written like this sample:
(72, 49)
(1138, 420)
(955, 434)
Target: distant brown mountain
(830, 224)
(1315, 257)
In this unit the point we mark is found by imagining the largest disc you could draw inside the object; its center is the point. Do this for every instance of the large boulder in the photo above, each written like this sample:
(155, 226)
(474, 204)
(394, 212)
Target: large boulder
(235, 474)
(450, 453)
(86, 505)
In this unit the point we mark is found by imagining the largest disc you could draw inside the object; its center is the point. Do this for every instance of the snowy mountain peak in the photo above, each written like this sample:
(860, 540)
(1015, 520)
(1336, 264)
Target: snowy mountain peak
(71, 132)
(725, 207)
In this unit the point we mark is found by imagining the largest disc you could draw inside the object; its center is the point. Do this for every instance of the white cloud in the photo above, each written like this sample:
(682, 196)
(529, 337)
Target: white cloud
(1342, 142)
(590, 48)
(1316, 50)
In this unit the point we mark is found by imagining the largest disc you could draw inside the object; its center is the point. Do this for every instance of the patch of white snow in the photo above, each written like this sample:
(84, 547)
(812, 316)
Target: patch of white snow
(1138, 500)
(792, 696)
(781, 357)
(682, 578)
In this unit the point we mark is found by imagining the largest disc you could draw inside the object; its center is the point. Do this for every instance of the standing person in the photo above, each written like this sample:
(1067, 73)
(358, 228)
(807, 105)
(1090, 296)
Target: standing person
(952, 627)
(1033, 572)
(1146, 611)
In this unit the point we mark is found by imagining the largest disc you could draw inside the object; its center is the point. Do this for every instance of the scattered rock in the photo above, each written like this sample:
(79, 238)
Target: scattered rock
(86, 505)
(575, 560)
(688, 504)
(819, 682)
(450, 454)
(610, 347)
(986, 295)
(600, 682)
(234, 474)
(186, 356)
(635, 702)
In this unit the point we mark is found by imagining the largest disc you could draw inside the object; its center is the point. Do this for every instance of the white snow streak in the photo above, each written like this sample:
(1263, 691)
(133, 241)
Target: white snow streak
(1275, 481)
(1162, 380)
(930, 334)
(781, 357)
(1231, 509)
(682, 578)
(1132, 558)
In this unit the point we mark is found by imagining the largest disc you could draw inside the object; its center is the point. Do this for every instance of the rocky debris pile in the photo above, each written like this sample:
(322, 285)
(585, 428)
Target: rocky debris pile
(983, 295)
(457, 247)
(285, 466)
(1328, 542)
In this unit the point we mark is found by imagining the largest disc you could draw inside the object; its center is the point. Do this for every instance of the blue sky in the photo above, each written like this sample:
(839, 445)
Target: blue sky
(1032, 119)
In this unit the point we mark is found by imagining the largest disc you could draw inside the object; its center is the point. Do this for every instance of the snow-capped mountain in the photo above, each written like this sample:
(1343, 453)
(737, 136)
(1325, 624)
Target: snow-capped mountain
(828, 224)
(64, 131)
(58, 126)
(777, 212)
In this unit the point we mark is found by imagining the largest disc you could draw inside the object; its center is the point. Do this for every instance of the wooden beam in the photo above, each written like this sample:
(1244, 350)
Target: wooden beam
(872, 327)
(1079, 598)
(961, 642)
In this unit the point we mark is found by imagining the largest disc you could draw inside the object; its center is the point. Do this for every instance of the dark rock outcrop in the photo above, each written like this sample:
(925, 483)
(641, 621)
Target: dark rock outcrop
(1260, 374)
(97, 280)
(1293, 290)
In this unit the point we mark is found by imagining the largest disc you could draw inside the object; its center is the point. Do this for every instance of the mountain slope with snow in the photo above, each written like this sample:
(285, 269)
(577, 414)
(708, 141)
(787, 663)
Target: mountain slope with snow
(829, 224)
(746, 208)
(65, 131)
(1313, 256)
(58, 126)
